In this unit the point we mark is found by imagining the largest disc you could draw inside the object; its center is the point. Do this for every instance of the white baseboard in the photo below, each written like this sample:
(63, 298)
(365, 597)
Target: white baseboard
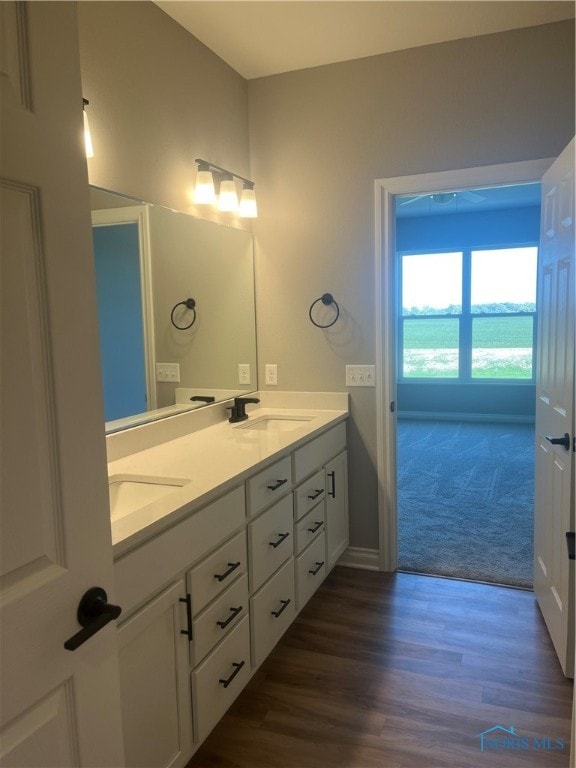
(360, 557)
(482, 417)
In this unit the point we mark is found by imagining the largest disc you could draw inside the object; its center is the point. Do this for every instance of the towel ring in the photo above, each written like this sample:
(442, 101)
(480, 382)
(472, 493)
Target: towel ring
(189, 304)
(326, 299)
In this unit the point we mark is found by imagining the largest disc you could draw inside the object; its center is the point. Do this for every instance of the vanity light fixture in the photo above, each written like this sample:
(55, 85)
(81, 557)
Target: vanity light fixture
(217, 186)
(87, 135)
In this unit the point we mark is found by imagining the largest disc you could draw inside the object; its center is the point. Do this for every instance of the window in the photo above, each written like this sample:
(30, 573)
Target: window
(468, 315)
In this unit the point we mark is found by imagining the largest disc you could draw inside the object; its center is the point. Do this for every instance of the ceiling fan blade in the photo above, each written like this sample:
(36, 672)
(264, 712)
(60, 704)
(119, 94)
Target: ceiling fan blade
(412, 200)
(472, 197)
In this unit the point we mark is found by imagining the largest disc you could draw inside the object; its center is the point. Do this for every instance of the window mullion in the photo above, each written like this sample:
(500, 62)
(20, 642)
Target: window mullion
(465, 356)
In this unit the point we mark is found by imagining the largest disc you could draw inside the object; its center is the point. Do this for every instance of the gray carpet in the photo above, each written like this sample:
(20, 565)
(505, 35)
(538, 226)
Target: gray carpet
(465, 500)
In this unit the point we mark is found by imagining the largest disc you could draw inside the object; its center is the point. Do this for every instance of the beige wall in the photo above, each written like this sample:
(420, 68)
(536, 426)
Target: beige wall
(158, 99)
(319, 138)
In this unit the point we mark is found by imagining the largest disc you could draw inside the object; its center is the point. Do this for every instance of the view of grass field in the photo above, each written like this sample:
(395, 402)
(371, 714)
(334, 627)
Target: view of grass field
(501, 347)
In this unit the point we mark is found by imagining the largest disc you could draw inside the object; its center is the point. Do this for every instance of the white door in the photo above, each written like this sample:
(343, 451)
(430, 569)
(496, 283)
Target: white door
(58, 707)
(554, 493)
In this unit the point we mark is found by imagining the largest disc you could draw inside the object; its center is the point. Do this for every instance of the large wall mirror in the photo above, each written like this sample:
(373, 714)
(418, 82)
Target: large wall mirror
(175, 309)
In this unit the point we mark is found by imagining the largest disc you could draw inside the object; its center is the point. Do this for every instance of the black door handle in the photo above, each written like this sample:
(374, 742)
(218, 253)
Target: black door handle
(563, 441)
(570, 536)
(94, 612)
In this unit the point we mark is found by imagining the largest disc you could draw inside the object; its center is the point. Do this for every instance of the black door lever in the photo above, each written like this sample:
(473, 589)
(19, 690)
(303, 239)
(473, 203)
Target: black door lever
(563, 441)
(94, 612)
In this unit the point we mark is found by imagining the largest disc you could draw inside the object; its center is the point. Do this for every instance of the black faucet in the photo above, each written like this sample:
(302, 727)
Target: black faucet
(203, 398)
(238, 410)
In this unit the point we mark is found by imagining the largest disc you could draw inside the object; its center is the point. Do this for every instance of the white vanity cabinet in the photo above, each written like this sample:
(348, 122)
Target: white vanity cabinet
(208, 598)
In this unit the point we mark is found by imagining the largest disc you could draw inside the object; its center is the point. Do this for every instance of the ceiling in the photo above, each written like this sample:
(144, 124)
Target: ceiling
(264, 37)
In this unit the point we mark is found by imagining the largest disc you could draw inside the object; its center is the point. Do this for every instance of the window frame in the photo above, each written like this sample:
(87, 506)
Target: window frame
(465, 320)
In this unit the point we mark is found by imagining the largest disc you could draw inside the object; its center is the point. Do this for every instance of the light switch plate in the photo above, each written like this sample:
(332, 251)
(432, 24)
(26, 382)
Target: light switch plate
(360, 375)
(168, 372)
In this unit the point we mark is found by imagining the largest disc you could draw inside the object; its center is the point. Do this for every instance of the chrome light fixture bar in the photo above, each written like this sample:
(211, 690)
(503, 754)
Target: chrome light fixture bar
(216, 186)
(89, 147)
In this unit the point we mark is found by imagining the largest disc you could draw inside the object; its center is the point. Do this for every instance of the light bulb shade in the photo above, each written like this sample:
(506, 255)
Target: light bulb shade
(228, 199)
(248, 208)
(204, 193)
(89, 147)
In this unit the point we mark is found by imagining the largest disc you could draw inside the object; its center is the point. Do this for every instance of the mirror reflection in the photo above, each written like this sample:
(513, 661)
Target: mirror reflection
(175, 309)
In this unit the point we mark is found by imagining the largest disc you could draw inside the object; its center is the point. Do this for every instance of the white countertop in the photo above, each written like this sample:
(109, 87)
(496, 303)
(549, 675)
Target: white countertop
(214, 459)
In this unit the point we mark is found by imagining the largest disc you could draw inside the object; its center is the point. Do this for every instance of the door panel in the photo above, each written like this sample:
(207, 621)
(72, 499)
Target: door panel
(554, 497)
(57, 707)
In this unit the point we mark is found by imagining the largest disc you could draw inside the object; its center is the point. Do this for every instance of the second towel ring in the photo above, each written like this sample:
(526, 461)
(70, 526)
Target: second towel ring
(189, 304)
(326, 299)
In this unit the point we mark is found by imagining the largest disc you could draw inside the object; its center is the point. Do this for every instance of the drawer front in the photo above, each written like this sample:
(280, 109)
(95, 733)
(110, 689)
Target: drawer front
(219, 618)
(177, 548)
(311, 526)
(310, 570)
(220, 678)
(270, 539)
(215, 574)
(270, 484)
(318, 451)
(309, 494)
(272, 610)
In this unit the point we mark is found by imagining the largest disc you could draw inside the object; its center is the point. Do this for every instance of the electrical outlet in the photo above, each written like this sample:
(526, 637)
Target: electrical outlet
(168, 372)
(243, 373)
(271, 374)
(360, 376)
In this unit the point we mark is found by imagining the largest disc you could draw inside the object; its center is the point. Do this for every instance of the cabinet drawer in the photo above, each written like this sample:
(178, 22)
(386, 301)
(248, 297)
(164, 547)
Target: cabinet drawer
(271, 541)
(176, 549)
(220, 678)
(309, 527)
(317, 452)
(310, 570)
(272, 610)
(310, 493)
(214, 574)
(219, 618)
(269, 485)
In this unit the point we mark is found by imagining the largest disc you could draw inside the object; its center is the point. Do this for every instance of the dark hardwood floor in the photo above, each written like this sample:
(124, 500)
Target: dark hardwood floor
(401, 671)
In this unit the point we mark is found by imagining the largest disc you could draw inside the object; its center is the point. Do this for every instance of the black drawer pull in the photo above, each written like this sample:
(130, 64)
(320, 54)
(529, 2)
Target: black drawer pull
(318, 525)
(188, 601)
(317, 492)
(280, 540)
(277, 484)
(238, 666)
(285, 604)
(231, 568)
(314, 571)
(332, 492)
(233, 614)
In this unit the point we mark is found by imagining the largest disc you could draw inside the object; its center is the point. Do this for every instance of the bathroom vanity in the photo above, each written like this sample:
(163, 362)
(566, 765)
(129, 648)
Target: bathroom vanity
(221, 536)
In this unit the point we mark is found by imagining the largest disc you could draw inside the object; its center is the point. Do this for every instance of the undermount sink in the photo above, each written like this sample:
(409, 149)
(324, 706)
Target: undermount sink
(275, 423)
(128, 493)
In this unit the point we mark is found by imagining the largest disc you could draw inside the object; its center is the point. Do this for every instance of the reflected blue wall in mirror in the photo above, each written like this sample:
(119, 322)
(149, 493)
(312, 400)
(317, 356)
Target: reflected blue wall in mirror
(117, 262)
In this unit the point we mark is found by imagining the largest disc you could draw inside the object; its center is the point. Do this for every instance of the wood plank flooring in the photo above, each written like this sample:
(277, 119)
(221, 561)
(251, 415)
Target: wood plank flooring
(401, 671)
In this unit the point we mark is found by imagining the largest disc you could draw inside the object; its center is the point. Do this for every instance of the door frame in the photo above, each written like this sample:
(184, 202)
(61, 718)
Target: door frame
(385, 190)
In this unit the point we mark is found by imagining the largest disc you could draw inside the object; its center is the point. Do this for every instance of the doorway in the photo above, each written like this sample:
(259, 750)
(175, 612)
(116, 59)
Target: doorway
(466, 265)
(387, 317)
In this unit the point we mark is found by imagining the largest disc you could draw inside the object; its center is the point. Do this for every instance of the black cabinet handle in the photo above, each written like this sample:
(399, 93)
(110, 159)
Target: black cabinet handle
(233, 614)
(237, 667)
(231, 568)
(570, 536)
(282, 536)
(188, 601)
(318, 524)
(94, 612)
(277, 484)
(285, 604)
(314, 571)
(317, 492)
(563, 441)
(332, 476)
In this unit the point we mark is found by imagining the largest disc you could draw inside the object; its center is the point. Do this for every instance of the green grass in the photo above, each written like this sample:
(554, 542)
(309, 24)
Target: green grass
(488, 333)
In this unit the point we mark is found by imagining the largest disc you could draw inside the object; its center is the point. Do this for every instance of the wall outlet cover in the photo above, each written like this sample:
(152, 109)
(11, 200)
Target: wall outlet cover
(271, 374)
(243, 373)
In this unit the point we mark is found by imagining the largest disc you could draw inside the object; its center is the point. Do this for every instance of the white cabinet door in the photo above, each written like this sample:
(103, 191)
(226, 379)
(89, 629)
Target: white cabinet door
(155, 683)
(554, 495)
(337, 534)
(58, 707)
